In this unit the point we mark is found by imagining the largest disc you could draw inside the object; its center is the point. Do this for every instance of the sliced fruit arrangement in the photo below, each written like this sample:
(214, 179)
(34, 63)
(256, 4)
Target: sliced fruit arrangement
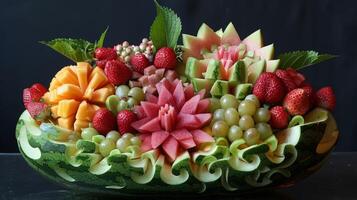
(221, 60)
(149, 116)
(75, 93)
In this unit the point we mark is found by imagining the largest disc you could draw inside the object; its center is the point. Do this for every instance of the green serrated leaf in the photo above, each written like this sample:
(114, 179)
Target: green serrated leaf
(100, 42)
(166, 28)
(78, 50)
(301, 59)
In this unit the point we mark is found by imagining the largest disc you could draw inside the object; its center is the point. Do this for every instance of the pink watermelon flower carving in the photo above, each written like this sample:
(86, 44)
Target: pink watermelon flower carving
(172, 121)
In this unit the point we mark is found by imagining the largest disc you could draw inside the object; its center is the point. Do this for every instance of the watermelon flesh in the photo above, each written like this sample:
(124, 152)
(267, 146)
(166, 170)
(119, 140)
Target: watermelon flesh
(169, 123)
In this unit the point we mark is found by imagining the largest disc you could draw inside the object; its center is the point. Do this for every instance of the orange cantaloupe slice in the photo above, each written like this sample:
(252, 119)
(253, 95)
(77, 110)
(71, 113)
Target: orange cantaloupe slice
(54, 110)
(79, 124)
(85, 111)
(69, 91)
(67, 76)
(66, 122)
(67, 107)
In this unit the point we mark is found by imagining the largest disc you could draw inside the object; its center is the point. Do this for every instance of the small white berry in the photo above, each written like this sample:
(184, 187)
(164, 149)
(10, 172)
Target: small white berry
(124, 53)
(125, 44)
(127, 58)
(136, 49)
(142, 47)
(128, 50)
(118, 47)
(145, 40)
(150, 43)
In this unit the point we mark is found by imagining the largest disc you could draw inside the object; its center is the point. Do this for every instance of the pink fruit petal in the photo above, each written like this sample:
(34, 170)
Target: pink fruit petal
(187, 143)
(203, 106)
(144, 80)
(204, 118)
(179, 95)
(165, 97)
(181, 134)
(150, 109)
(170, 75)
(134, 84)
(189, 91)
(171, 147)
(200, 137)
(151, 98)
(137, 124)
(145, 142)
(202, 93)
(149, 89)
(153, 79)
(187, 121)
(160, 72)
(136, 75)
(158, 137)
(151, 126)
(139, 111)
(190, 106)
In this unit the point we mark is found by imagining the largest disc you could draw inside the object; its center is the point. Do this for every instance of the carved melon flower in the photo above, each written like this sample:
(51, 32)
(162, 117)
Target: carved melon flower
(221, 59)
(172, 121)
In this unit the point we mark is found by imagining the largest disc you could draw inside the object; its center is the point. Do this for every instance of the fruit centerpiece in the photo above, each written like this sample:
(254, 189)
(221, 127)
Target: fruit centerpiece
(215, 114)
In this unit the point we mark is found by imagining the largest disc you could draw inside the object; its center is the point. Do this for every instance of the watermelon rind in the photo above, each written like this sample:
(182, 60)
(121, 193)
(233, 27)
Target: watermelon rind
(283, 158)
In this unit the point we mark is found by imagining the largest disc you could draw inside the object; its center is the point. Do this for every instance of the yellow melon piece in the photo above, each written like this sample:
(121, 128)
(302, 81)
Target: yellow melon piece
(54, 84)
(83, 71)
(76, 93)
(54, 110)
(67, 107)
(69, 91)
(66, 122)
(85, 111)
(79, 124)
(66, 75)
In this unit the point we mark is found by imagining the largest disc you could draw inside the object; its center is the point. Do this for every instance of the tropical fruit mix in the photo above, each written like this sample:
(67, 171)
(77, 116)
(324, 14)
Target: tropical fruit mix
(180, 101)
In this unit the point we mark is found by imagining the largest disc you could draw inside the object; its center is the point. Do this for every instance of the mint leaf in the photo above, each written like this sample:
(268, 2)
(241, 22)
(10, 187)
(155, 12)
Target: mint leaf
(166, 28)
(77, 50)
(100, 42)
(302, 59)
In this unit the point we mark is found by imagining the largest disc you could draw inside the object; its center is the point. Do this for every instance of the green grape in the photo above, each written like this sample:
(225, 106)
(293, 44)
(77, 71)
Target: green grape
(218, 115)
(253, 98)
(106, 146)
(98, 138)
(122, 105)
(113, 135)
(246, 122)
(262, 115)
(122, 91)
(122, 144)
(247, 107)
(214, 104)
(220, 129)
(229, 101)
(88, 133)
(137, 93)
(231, 116)
(135, 141)
(251, 136)
(264, 130)
(234, 133)
(132, 102)
(127, 136)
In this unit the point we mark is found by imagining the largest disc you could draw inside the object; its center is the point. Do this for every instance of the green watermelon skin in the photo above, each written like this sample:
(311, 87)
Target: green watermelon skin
(54, 164)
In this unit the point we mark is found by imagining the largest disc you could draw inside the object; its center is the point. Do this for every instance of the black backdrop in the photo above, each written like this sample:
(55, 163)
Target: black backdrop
(322, 25)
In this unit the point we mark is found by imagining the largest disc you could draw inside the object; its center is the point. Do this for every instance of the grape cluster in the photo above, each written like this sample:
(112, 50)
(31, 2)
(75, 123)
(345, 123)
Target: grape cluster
(113, 140)
(234, 120)
(124, 98)
(125, 50)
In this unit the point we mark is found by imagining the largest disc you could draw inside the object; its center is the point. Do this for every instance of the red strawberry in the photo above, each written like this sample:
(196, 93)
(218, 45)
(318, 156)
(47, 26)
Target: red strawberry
(279, 118)
(297, 102)
(124, 120)
(38, 110)
(31, 95)
(325, 98)
(40, 88)
(297, 77)
(105, 54)
(104, 121)
(139, 62)
(269, 88)
(165, 58)
(288, 80)
(309, 92)
(117, 72)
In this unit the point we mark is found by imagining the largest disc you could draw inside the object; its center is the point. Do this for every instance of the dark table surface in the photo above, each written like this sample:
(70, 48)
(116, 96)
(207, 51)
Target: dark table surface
(336, 180)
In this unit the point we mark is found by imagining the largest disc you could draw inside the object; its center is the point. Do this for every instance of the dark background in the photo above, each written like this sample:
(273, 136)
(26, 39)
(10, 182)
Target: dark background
(323, 25)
